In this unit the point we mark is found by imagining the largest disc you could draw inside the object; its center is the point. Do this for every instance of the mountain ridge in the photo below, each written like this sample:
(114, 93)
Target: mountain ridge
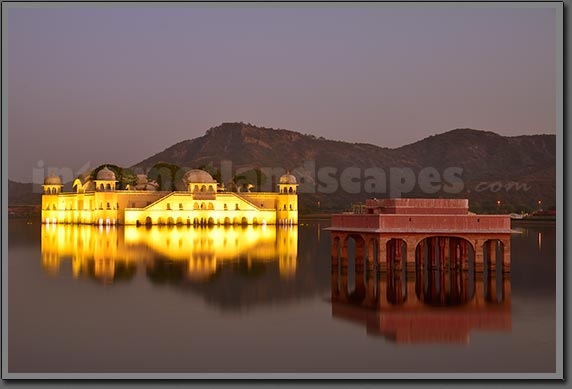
(485, 157)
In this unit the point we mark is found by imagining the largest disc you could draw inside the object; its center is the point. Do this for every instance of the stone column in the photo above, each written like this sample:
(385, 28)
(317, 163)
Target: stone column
(398, 251)
(491, 246)
(335, 246)
(370, 254)
(506, 255)
(335, 252)
(442, 251)
(344, 251)
(382, 254)
(431, 247)
(360, 250)
(420, 256)
(479, 255)
(464, 255)
(411, 249)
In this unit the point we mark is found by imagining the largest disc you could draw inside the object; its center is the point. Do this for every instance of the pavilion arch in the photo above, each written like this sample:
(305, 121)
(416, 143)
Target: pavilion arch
(236, 221)
(148, 221)
(210, 221)
(244, 221)
(196, 221)
(196, 205)
(203, 188)
(160, 221)
(210, 206)
(254, 221)
(179, 221)
(226, 221)
(444, 252)
(108, 187)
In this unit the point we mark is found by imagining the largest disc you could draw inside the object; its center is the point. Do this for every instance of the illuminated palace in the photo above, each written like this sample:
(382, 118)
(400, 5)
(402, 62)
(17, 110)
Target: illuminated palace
(98, 201)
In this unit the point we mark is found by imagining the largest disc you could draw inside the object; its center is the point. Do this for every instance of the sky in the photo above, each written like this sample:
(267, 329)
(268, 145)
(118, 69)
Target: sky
(105, 84)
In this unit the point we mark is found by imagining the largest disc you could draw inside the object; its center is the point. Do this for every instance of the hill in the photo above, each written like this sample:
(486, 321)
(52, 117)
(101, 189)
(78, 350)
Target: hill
(518, 171)
(486, 167)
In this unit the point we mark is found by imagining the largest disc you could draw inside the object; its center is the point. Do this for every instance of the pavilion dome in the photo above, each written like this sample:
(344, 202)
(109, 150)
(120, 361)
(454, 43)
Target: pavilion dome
(198, 176)
(52, 179)
(288, 179)
(106, 175)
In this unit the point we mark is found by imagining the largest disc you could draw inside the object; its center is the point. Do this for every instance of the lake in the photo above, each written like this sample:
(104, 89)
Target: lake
(264, 299)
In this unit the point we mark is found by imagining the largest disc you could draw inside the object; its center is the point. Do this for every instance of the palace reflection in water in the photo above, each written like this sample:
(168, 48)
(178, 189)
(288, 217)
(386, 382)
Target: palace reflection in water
(111, 254)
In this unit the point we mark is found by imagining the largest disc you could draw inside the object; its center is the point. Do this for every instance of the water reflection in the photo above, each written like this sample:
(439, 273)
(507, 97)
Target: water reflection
(426, 306)
(111, 254)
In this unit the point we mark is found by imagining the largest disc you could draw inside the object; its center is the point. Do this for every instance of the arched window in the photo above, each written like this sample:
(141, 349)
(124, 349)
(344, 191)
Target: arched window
(211, 189)
(203, 188)
(196, 206)
(225, 207)
(54, 207)
(236, 206)
(101, 187)
(284, 207)
(290, 190)
(202, 205)
(290, 207)
(108, 187)
(180, 205)
(168, 206)
(108, 206)
(211, 206)
(196, 188)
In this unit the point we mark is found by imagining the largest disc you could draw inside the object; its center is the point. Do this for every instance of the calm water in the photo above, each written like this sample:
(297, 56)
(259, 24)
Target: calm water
(85, 299)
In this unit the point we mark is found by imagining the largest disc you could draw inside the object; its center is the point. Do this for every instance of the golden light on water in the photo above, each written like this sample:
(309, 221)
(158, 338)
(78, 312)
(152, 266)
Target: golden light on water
(100, 251)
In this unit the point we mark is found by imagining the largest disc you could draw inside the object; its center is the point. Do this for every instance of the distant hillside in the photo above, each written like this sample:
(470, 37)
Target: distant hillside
(516, 170)
(23, 194)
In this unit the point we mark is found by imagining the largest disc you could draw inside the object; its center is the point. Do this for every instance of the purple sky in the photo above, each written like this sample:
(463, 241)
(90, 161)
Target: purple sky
(95, 85)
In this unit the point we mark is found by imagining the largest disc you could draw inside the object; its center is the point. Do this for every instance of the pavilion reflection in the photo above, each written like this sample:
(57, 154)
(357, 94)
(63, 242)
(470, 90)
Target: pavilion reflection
(432, 305)
(110, 254)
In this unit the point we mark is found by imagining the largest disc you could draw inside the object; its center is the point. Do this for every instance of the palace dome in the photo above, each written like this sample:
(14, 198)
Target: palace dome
(52, 179)
(105, 175)
(288, 179)
(198, 176)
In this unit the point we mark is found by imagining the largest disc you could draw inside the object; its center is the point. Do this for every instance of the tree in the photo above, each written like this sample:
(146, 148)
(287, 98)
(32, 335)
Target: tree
(251, 178)
(166, 175)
